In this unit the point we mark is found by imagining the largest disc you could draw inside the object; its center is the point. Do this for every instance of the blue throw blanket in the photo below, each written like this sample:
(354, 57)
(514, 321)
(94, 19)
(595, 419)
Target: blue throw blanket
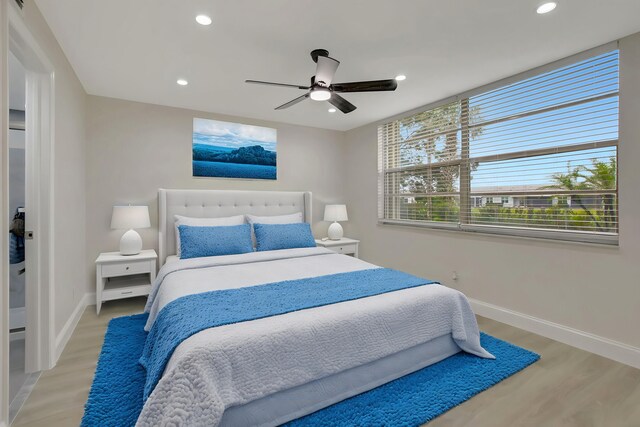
(191, 314)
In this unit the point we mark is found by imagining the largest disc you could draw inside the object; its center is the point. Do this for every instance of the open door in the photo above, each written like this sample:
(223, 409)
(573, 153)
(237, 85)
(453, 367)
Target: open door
(36, 328)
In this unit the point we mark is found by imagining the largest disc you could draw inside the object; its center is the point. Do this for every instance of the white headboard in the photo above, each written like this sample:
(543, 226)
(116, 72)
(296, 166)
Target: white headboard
(221, 203)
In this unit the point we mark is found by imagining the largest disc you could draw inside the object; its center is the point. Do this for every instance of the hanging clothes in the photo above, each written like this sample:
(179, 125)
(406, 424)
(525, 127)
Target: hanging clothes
(16, 242)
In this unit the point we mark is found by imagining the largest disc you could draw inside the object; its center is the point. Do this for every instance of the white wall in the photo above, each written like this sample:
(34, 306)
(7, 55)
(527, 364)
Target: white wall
(134, 148)
(69, 178)
(590, 288)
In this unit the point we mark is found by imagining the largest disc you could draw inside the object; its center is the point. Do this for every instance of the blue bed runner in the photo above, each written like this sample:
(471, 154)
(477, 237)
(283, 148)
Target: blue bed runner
(191, 314)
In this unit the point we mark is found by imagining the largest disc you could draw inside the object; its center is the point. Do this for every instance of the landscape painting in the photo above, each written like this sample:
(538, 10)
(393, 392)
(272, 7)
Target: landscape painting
(233, 150)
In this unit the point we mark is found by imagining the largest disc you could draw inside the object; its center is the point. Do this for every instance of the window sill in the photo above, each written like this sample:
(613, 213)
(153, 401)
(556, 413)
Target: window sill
(600, 240)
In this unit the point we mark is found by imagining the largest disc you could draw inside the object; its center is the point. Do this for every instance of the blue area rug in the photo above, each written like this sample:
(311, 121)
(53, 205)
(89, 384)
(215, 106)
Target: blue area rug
(116, 394)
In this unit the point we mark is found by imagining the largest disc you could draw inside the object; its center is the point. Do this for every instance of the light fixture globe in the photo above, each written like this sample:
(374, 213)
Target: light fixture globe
(320, 94)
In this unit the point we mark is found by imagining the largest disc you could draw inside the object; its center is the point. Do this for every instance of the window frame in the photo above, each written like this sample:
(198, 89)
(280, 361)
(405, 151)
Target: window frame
(466, 196)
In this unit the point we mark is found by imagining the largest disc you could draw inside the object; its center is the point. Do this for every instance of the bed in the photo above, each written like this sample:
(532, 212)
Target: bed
(270, 370)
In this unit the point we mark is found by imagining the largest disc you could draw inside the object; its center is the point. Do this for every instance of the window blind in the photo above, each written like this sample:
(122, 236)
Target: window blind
(536, 157)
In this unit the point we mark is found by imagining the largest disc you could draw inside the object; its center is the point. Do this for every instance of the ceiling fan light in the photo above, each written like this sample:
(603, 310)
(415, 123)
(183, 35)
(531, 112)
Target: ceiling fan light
(320, 94)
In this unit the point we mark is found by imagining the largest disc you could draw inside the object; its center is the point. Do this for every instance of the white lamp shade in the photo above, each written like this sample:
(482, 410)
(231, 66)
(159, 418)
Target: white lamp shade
(335, 213)
(129, 217)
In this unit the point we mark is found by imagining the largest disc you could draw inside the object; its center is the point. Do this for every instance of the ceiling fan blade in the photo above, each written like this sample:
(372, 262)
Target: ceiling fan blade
(293, 102)
(370, 86)
(325, 70)
(258, 82)
(341, 104)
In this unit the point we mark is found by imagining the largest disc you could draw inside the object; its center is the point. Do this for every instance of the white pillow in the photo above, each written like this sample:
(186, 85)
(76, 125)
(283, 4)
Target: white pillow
(273, 219)
(204, 222)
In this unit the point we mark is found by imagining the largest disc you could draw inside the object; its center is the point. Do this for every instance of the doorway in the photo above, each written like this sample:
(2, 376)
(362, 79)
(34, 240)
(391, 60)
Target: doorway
(36, 328)
(20, 381)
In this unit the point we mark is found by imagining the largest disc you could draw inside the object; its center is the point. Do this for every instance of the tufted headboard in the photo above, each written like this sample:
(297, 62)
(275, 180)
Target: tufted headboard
(221, 203)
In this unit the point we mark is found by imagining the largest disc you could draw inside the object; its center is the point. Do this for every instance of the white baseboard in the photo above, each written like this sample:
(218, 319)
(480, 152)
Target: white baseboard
(65, 334)
(91, 298)
(601, 346)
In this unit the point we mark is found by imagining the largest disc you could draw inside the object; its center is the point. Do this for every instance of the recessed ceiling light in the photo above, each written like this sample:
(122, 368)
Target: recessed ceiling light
(203, 20)
(182, 82)
(401, 77)
(546, 7)
(332, 110)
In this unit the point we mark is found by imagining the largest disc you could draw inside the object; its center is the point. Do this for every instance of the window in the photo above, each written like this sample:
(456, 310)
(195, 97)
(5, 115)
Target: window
(536, 157)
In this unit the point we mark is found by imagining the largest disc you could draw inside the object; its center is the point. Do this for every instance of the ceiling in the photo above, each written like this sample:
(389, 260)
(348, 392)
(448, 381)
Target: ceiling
(137, 50)
(17, 86)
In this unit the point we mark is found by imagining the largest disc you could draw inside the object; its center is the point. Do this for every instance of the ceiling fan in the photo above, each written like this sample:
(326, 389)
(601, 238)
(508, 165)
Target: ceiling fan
(321, 88)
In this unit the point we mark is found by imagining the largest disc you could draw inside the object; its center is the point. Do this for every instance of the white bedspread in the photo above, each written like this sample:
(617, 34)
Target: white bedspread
(236, 364)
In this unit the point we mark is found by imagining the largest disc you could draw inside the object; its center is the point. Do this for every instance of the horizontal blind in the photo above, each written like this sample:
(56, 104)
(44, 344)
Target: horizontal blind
(421, 166)
(538, 154)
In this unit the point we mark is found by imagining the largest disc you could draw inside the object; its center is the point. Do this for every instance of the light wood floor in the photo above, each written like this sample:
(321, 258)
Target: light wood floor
(567, 387)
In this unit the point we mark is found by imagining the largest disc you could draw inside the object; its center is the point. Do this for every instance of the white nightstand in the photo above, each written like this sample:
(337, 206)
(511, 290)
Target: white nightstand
(119, 276)
(344, 246)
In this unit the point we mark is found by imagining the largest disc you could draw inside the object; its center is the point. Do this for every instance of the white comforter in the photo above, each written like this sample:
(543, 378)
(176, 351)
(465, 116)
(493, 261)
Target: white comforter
(235, 364)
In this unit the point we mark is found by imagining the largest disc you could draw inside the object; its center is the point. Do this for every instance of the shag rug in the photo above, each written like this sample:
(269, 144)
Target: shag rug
(116, 394)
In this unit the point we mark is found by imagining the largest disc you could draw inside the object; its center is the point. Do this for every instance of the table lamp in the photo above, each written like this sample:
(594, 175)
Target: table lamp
(335, 213)
(128, 218)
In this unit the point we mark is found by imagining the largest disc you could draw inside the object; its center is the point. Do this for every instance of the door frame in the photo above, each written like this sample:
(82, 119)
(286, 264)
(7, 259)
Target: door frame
(4, 215)
(39, 144)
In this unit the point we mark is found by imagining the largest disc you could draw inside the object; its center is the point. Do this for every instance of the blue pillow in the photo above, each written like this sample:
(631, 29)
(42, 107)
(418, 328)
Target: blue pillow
(270, 237)
(198, 242)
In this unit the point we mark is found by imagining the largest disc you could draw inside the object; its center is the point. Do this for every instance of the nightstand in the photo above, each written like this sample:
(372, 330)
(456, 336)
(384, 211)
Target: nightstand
(124, 276)
(344, 246)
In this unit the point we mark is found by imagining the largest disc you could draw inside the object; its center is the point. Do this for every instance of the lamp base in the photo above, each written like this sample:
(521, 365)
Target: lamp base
(130, 243)
(335, 231)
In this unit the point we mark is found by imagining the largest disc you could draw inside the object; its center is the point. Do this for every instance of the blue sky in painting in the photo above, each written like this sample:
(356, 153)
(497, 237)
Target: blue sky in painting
(232, 135)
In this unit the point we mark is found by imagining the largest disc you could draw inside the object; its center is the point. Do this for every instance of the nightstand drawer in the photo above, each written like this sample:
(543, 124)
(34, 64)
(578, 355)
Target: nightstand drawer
(125, 269)
(344, 246)
(125, 292)
(344, 249)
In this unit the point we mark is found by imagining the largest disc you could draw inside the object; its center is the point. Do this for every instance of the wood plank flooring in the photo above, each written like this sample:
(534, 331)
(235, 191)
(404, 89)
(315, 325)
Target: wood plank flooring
(567, 387)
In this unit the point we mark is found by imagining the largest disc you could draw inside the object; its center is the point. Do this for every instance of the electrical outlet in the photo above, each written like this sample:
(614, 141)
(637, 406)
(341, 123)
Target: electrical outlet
(454, 275)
